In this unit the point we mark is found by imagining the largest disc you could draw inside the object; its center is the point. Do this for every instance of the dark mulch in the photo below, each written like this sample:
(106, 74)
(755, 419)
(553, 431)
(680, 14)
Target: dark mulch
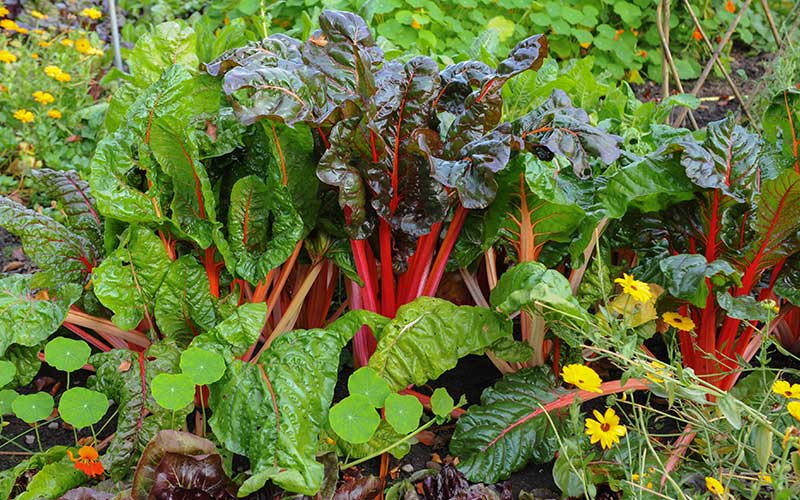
(12, 258)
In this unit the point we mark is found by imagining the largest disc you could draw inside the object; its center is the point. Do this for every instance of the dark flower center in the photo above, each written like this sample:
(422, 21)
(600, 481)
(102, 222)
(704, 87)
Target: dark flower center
(605, 427)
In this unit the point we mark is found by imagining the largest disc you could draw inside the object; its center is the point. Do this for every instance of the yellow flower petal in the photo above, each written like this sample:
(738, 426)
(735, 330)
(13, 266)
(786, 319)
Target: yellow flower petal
(582, 377)
(714, 486)
(678, 321)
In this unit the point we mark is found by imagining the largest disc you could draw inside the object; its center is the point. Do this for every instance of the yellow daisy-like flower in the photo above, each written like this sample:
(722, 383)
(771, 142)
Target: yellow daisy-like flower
(83, 45)
(42, 43)
(7, 57)
(678, 321)
(94, 51)
(43, 97)
(764, 478)
(34, 56)
(660, 372)
(639, 290)
(794, 409)
(63, 77)
(92, 13)
(22, 31)
(786, 389)
(9, 25)
(582, 377)
(605, 429)
(54, 113)
(38, 15)
(52, 71)
(66, 42)
(714, 486)
(24, 115)
(3, 11)
(39, 32)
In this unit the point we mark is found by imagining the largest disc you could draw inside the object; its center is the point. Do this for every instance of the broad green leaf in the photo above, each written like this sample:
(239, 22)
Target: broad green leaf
(26, 360)
(235, 334)
(272, 412)
(81, 407)
(744, 307)
(429, 335)
(184, 306)
(531, 287)
(685, 276)
(126, 377)
(204, 367)
(8, 477)
(7, 372)
(403, 412)
(34, 407)
(63, 255)
(173, 391)
(28, 318)
(166, 44)
(508, 428)
(128, 279)
(728, 406)
(67, 354)
(367, 382)
(512, 350)
(442, 403)
(354, 419)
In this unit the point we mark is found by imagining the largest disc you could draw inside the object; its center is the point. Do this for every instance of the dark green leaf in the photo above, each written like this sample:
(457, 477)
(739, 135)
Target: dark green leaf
(184, 306)
(235, 334)
(685, 276)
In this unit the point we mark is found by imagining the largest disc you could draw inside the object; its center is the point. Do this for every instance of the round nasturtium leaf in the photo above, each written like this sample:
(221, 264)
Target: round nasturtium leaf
(66, 354)
(204, 367)
(7, 372)
(403, 412)
(354, 419)
(173, 392)
(33, 408)
(367, 382)
(442, 403)
(82, 407)
(7, 396)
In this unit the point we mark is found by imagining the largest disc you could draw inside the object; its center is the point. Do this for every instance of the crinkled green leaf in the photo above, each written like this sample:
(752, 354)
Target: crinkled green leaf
(429, 335)
(685, 276)
(38, 461)
(63, 255)
(235, 334)
(125, 376)
(167, 44)
(263, 227)
(184, 306)
(26, 317)
(53, 480)
(272, 412)
(744, 307)
(129, 278)
(508, 429)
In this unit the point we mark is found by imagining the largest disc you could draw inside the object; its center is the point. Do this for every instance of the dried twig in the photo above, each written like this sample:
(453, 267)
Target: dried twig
(668, 61)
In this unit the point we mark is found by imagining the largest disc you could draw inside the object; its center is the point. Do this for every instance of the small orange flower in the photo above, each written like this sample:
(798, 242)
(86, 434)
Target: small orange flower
(87, 461)
(730, 7)
(634, 31)
(415, 24)
(643, 53)
(697, 35)
(618, 34)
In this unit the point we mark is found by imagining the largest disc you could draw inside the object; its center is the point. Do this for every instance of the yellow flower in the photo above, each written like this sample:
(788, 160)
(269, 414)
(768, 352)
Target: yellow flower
(54, 113)
(764, 478)
(3, 11)
(43, 97)
(66, 42)
(39, 31)
(94, 51)
(605, 429)
(783, 388)
(678, 321)
(83, 45)
(583, 377)
(9, 25)
(714, 486)
(794, 409)
(38, 15)
(639, 290)
(24, 115)
(34, 56)
(21, 30)
(660, 371)
(92, 13)
(52, 71)
(63, 77)
(7, 57)
(42, 43)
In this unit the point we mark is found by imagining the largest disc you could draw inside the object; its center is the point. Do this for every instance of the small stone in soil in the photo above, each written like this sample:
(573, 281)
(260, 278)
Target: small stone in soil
(408, 468)
(30, 439)
(52, 425)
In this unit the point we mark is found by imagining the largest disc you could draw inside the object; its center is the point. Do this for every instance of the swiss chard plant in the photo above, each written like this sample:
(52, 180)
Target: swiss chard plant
(409, 147)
